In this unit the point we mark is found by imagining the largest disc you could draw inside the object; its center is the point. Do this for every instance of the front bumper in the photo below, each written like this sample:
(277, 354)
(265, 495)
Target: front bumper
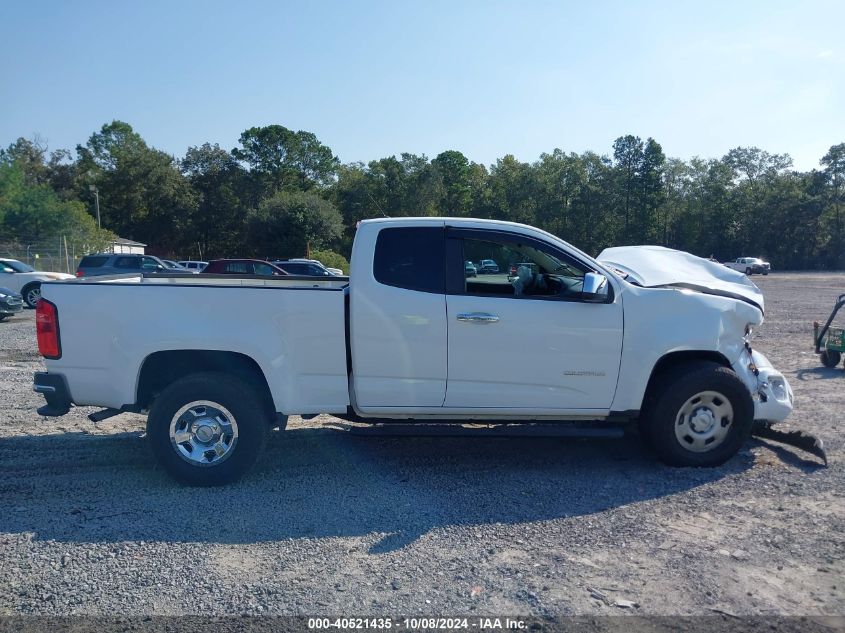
(54, 389)
(769, 388)
(11, 305)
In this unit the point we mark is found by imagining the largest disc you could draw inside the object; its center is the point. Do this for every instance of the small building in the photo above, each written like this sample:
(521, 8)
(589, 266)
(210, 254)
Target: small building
(122, 245)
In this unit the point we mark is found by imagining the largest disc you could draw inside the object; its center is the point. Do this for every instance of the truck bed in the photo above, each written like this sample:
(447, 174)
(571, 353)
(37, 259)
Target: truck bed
(293, 328)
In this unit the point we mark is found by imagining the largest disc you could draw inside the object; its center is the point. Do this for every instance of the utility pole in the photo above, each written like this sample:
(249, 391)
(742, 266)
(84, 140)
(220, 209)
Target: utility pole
(96, 192)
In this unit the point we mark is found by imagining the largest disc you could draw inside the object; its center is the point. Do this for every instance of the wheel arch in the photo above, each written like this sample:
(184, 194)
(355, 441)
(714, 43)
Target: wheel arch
(29, 285)
(673, 360)
(161, 369)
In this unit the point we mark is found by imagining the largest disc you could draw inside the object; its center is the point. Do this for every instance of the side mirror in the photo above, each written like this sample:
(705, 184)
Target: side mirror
(594, 288)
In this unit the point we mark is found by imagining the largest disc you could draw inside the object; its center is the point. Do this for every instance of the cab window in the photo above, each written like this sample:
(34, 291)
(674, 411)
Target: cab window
(520, 269)
(412, 258)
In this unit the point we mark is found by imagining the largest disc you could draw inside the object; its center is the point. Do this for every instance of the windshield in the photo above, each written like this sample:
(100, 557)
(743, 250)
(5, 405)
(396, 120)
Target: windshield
(19, 267)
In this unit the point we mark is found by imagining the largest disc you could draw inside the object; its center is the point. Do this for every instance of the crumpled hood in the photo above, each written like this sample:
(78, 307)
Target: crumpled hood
(656, 266)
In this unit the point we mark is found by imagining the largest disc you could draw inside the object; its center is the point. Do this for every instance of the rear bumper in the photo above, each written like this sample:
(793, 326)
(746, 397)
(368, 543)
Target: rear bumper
(54, 389)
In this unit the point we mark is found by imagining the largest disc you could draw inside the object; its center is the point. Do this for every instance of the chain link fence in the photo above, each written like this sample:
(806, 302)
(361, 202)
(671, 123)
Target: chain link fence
(54, 255)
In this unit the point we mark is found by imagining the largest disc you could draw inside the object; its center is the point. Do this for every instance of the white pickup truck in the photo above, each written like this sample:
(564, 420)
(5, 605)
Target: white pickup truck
(642, 334)
(750, 265)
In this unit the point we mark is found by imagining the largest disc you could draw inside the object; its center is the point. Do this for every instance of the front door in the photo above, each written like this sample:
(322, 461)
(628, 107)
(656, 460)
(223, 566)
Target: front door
(523, 339)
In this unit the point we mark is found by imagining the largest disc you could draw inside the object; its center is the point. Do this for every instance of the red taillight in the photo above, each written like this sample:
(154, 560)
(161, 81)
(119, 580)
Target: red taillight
(47, 329)
(79, 273)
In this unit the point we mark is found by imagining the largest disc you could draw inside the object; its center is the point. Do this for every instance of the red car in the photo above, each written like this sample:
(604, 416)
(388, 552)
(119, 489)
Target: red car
(242, 267)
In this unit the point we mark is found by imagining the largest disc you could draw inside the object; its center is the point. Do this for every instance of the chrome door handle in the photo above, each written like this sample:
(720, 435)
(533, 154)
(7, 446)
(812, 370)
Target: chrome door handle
(478, 317)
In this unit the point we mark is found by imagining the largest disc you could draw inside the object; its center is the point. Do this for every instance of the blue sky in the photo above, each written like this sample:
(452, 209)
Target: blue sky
(373, 79)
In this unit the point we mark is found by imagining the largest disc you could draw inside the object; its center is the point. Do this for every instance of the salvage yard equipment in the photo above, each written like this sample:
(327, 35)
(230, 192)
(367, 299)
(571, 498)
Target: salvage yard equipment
(830, 341)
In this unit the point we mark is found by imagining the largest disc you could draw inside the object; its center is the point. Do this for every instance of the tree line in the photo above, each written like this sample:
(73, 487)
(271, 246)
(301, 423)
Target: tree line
(281, 193)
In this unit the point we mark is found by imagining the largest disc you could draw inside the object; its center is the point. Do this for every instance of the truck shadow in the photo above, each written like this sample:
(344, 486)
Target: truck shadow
(313, 483)
(820, 373)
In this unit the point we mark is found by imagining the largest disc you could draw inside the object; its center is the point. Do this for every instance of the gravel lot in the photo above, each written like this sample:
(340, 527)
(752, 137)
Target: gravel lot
(330, 523)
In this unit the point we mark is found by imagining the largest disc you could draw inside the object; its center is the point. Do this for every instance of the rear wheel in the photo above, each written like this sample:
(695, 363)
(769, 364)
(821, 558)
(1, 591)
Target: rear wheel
(830, 358)
(748, 271)
(207, 429)
(701, 415)
(3, 317)
(31, 294)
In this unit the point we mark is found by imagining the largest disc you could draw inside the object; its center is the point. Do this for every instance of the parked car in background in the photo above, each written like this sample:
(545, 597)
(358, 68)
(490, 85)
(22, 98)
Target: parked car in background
(488, 267)
(750, 265)
(24, 279)
(469, 269)
(241, 267)
(307, 267)
(121, 263)
(10, 303)
(192, 264)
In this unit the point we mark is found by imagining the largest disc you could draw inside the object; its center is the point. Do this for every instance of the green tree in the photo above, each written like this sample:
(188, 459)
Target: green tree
(834, 171)
(454, 171)
(286, 224)
(219, 182)
(512, 189)
(628, 157)
(33, 212)
(331, 259)
(280, 159)
(143, 194)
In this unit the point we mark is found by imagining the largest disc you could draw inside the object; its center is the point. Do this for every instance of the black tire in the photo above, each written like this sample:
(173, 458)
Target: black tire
(765, 272)
(673, 390)
(830, 358)
(3, 317)
(31, 293)
(748, 271)
(239, 398)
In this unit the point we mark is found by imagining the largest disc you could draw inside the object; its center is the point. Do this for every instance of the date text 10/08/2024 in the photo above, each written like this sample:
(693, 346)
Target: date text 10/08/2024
(418, 623)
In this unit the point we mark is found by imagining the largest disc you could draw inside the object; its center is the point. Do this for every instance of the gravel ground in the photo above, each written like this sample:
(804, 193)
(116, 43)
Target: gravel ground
(333, 523)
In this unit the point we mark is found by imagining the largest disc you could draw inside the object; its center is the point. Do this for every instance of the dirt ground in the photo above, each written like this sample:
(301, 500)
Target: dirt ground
(333, 523)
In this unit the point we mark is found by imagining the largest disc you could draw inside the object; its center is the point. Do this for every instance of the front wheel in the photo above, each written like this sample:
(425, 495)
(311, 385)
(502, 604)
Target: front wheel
(700, 415)
(830, 358)
(748, 271)
(207, 429)
(31, 294)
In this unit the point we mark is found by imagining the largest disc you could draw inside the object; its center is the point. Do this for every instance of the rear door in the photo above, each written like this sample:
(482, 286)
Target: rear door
(398, 319)
(527, 342)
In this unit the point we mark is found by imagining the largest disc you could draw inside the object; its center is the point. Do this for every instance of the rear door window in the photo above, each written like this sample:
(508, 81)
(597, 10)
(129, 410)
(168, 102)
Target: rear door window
(127, 262)
(294, 269)
(92, 262)
(264, 269)
(237, 268)
(411, 257)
